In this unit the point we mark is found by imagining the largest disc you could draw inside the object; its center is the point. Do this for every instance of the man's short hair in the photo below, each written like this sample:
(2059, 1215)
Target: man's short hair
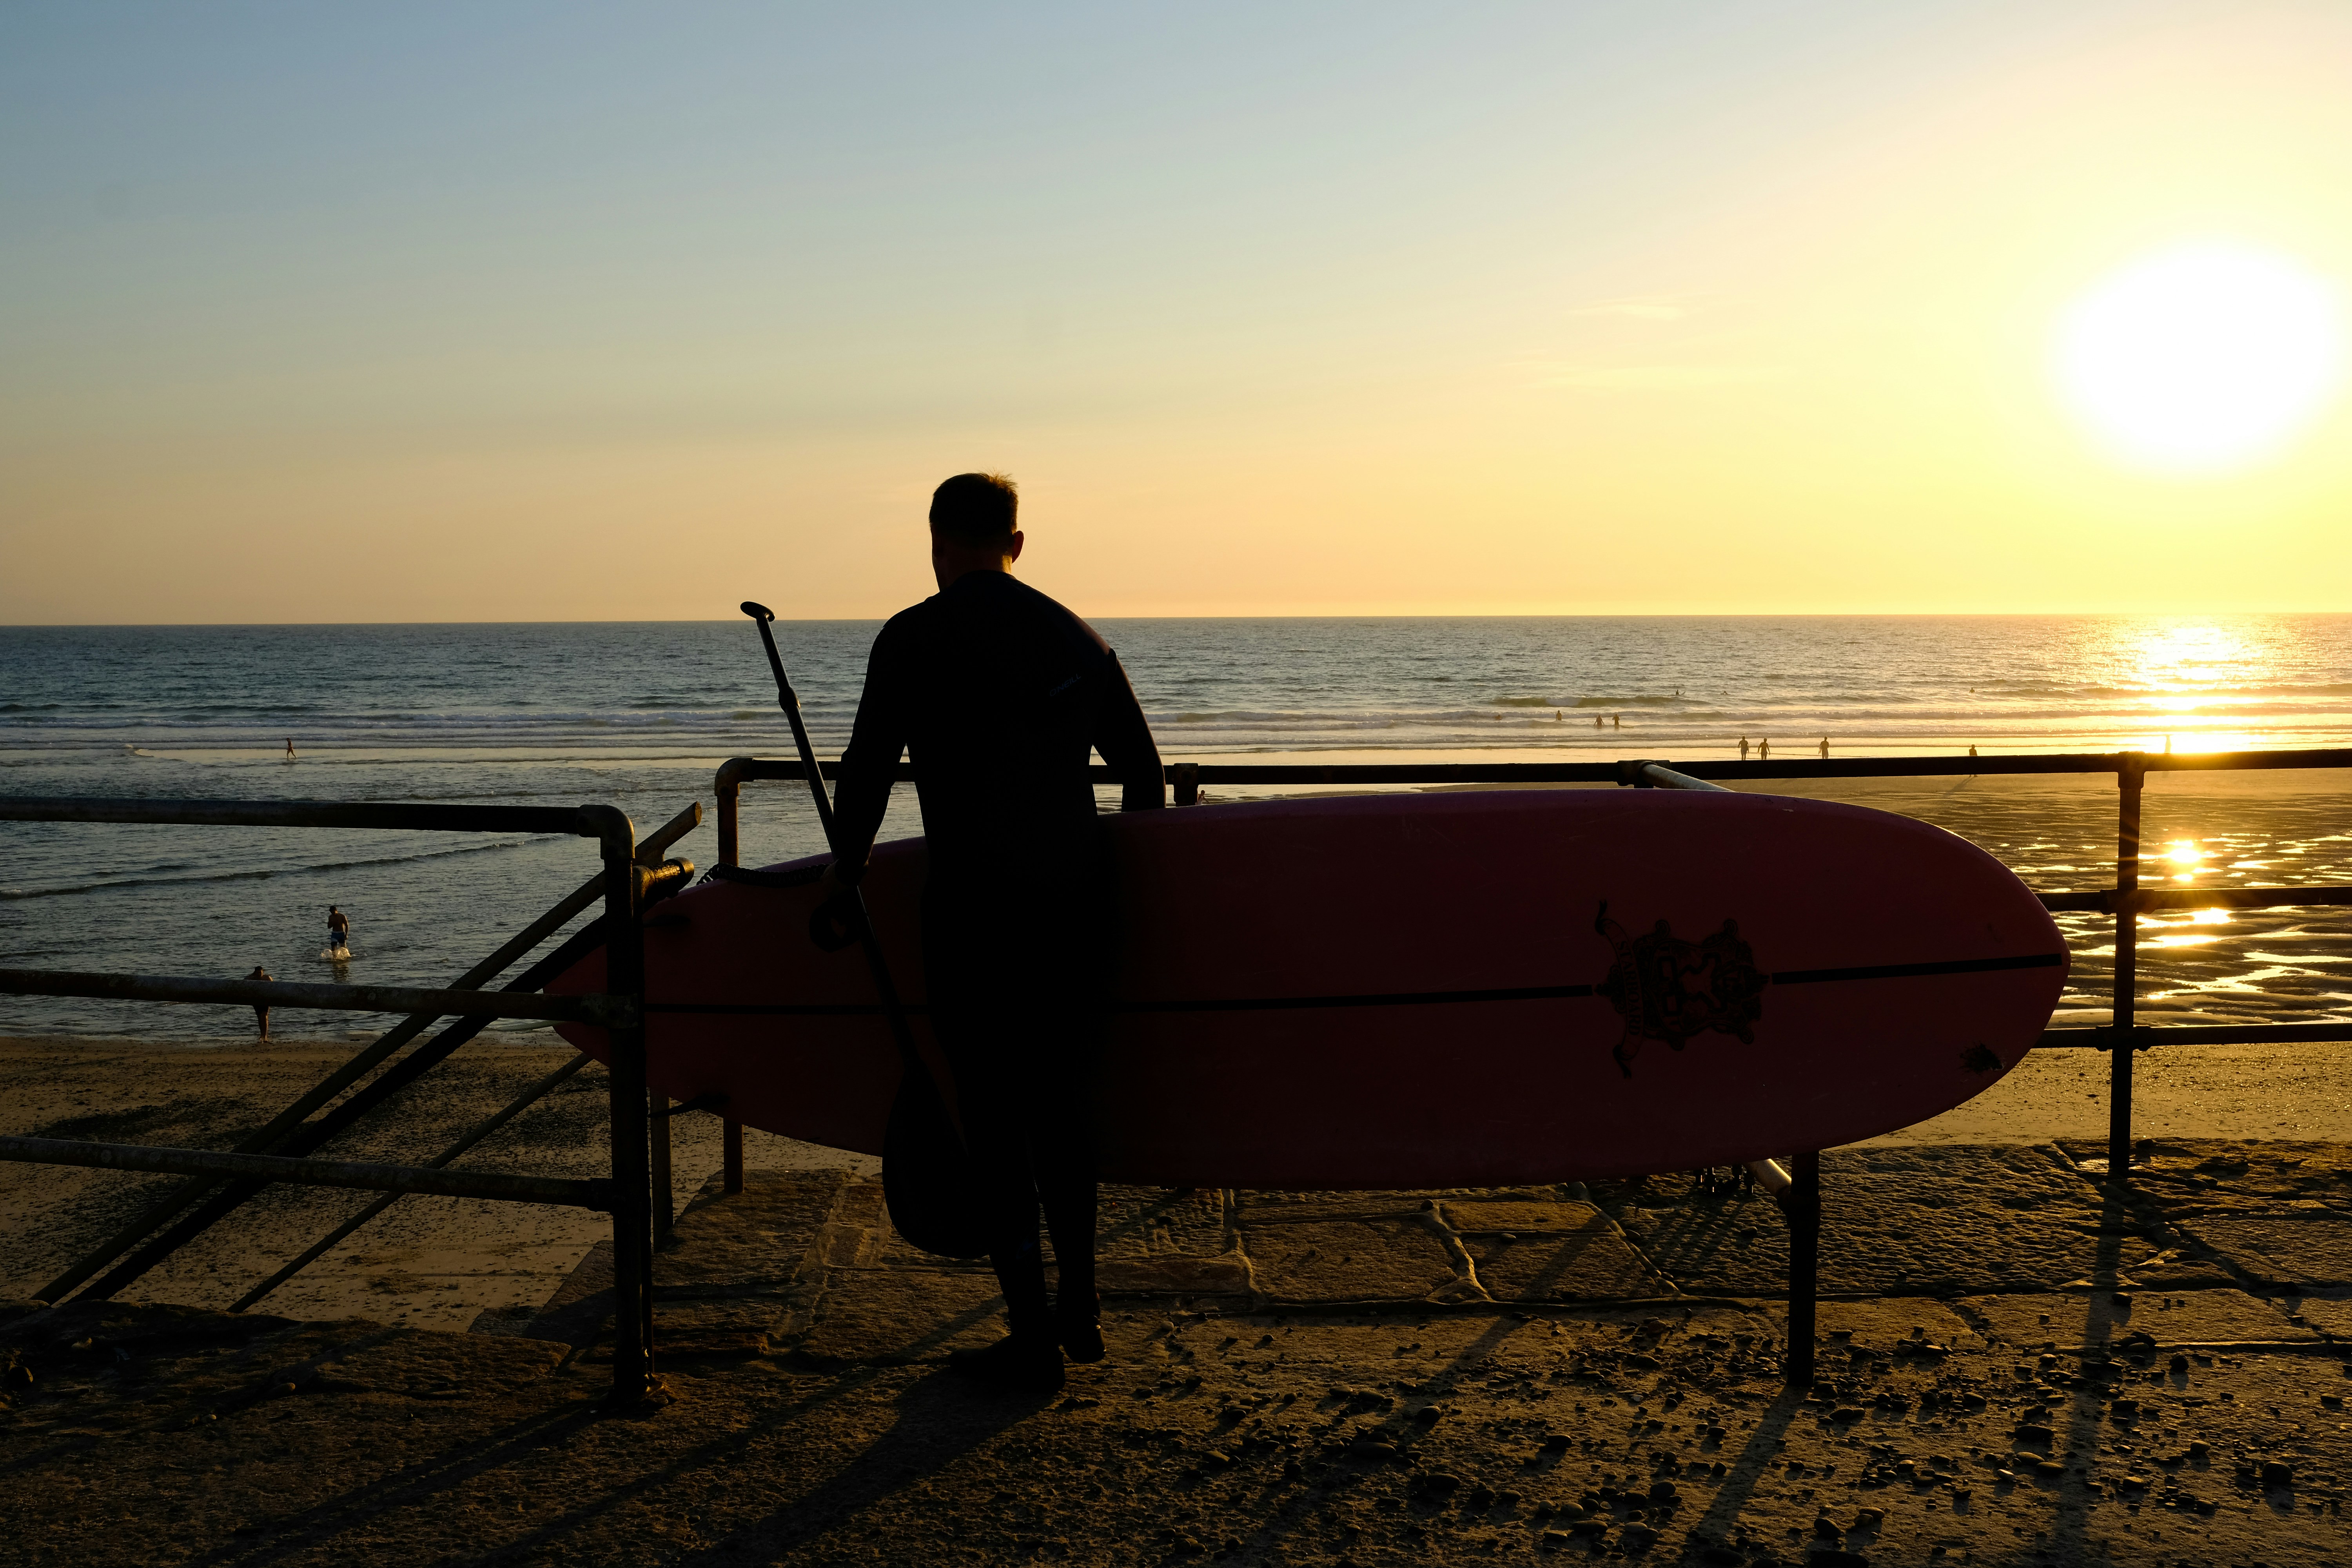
(976, 508)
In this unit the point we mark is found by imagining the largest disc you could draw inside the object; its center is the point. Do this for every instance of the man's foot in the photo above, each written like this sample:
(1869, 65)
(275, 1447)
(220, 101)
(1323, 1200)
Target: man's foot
(1078, 1321)
(1025, 1365)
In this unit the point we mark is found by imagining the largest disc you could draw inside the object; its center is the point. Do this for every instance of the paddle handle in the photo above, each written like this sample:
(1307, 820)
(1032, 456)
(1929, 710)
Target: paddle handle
(790, 702)
(902, 1033)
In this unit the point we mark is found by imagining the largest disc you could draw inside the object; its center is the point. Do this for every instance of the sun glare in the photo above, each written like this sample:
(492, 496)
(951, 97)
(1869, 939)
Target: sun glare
(2201, 358)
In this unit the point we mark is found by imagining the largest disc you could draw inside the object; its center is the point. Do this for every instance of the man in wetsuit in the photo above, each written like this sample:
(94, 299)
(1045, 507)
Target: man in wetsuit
(999, 694)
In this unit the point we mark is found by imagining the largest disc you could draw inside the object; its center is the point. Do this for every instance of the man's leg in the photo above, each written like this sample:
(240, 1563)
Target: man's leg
(988, 1095)
(1062, 1156)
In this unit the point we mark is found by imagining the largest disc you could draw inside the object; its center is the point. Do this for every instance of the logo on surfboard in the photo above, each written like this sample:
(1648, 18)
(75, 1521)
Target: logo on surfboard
(1668, 988)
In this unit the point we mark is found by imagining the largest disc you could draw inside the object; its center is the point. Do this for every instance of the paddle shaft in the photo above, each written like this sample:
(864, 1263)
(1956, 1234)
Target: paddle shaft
(901, 1033)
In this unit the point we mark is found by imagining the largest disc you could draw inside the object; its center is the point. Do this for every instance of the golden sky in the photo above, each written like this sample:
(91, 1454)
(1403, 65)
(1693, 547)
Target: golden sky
(532, 312)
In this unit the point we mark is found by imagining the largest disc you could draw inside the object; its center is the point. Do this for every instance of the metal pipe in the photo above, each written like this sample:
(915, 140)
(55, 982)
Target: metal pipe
(2130, 785)
(625, 975)
(2146, 901)
(751, 768)
(665, 1194)
(326, 1243)
(1801, 1202)
(727, 784)
(589, 1194)
(1770, 1175)
(587, 1009)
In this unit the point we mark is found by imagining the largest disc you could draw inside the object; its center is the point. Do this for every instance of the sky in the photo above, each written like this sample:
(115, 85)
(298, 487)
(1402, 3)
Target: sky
(520, 311)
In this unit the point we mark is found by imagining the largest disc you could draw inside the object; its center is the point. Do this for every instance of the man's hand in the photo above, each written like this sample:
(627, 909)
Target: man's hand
(833, 924)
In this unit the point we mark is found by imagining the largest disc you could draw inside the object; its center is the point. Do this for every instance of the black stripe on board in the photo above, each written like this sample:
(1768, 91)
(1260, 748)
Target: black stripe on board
(1914, 971)
(1369, 999)
(1378, 999)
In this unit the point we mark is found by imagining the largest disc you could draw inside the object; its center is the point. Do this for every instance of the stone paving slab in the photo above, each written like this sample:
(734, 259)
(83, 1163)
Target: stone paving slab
(2076, 1320)
(1322, 1261)
(1903, 1221)
(758, 1240)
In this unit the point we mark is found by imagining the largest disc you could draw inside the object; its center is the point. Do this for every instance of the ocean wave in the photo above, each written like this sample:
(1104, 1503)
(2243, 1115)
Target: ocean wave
(255, 874)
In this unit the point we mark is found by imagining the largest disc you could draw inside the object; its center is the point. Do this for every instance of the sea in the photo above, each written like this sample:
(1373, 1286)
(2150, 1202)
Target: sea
(639, 715)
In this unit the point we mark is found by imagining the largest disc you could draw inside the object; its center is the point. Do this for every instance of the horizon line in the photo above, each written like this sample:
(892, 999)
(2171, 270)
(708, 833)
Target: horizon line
(1298, 615)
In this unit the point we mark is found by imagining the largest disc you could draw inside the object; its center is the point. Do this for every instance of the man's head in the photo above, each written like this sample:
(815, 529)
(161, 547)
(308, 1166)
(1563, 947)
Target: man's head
(973, 526)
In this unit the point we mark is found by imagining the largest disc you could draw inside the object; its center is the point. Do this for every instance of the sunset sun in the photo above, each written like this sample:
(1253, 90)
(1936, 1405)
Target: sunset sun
(2201, 358)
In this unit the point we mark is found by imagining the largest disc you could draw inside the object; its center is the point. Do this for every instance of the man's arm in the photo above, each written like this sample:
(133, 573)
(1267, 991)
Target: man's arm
(876, 741)
(1124, 739)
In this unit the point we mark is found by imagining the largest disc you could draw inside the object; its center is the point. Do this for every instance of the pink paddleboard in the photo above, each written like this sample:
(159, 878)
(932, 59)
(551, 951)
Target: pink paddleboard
(1458, 989)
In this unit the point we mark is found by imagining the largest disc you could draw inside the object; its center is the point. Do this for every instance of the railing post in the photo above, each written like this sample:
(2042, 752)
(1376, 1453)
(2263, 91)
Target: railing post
(2131, 778)
(658, 1118)
(624, 976)
(1801, 1203)
(728, 786)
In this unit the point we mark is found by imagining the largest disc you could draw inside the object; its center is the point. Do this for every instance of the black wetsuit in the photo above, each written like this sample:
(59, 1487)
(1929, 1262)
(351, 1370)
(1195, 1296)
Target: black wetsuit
(999, 694)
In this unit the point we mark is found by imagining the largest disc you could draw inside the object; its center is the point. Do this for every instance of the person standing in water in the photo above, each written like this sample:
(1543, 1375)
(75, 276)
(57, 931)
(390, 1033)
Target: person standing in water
(1743, 748)
(260, 1013)
(338, 928)
(1764, 750)
(1825, 748)
(999, 693)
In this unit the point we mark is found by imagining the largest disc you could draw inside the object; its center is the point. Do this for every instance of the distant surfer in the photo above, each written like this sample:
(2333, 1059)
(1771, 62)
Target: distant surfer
(338, 929)
(999, 693)
(260, 1013)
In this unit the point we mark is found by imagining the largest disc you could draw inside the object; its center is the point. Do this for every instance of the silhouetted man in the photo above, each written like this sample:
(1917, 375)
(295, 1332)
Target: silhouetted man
(999, 694)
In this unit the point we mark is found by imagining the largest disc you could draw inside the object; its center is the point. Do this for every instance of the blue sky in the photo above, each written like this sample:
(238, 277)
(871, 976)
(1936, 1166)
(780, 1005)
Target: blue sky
(517, 279)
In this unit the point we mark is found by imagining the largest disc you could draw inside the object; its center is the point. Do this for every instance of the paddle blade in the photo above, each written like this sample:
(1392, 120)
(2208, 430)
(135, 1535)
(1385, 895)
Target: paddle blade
(925, 1180)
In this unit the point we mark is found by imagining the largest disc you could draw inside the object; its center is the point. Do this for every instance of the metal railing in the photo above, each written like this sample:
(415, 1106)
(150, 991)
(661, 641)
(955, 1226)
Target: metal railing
(1798, 1190)
(2125, 902)
(631, 876)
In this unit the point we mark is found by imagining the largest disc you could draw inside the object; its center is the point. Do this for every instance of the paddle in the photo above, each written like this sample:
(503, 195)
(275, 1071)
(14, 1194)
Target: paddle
(927, 1177)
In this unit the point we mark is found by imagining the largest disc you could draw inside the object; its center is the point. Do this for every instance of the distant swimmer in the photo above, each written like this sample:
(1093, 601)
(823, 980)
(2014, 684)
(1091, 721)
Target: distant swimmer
(1825, 748)
(338, 928)
(1616, 720)
(1764, 750)
(260, 1013)
(1596, 720)
(1743, 748)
